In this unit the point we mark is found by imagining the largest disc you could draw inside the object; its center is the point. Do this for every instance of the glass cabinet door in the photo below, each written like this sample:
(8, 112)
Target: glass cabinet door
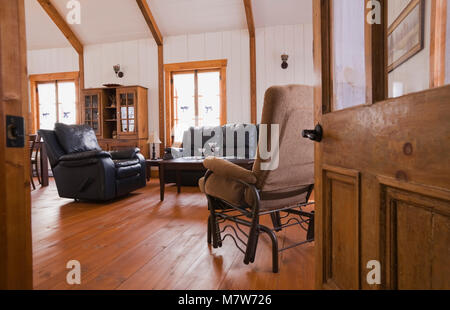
(91, 112)
(127, 112)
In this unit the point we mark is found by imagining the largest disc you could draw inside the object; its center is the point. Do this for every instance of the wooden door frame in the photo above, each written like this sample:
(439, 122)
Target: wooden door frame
(15, 199)
(438, 42)
(36, 79)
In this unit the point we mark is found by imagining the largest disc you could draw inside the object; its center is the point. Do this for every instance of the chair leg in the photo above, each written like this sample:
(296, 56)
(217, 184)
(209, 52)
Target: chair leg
(310, 232)
(274, 239)
(276, 220)
(215, 230)
(37, 173)
(252, 242)
(31, 178)
(253, 256)
(209, 230)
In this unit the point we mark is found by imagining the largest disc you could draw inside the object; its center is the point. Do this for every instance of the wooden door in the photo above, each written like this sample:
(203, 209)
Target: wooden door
(127, 112)
(15, 201)
(383, 165)
(92, 110)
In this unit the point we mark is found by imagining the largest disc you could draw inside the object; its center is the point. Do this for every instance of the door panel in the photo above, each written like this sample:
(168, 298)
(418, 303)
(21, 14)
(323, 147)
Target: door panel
(417, 238)
(92, 110)
(127, 114)
(341, 206)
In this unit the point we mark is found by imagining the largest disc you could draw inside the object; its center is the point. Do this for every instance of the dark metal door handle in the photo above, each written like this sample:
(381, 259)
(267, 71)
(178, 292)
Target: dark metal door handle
(314, 135)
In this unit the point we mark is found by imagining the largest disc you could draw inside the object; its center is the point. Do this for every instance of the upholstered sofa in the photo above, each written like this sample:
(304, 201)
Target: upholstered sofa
(230, 141)
(82, 171)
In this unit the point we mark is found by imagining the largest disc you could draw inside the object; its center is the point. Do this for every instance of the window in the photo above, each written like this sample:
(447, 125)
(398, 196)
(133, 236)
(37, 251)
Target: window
(195, 96)
(348, 54)
(54, 100)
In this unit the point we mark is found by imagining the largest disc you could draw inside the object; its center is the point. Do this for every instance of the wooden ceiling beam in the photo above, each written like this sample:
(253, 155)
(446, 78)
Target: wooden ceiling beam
(151, 22)
(59, 21)
(251, 32)
(143, 5)
(250, 19)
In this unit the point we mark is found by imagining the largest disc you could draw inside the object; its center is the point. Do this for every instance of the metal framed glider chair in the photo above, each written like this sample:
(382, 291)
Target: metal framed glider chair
(238, 197)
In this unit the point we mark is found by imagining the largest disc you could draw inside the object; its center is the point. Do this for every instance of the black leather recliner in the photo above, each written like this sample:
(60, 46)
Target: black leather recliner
(83, 171)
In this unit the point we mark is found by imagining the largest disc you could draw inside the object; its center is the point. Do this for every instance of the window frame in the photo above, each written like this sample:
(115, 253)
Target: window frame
(438, 42)
(193, 67)
(37, 79)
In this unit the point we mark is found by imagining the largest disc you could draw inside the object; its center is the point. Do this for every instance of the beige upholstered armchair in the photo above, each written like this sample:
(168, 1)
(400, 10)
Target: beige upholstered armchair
(279, 186)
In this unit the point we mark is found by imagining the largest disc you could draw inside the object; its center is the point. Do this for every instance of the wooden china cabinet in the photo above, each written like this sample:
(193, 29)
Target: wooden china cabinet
(118, 115)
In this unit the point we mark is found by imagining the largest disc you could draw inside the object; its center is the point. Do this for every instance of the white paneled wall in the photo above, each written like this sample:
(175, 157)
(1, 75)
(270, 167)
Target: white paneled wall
(404, 79)
(139, 62)
(271, 42)
(231, 45)
(52, 60)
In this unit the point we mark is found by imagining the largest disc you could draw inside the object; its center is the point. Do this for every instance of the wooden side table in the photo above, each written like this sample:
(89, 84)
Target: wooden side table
(151, 163)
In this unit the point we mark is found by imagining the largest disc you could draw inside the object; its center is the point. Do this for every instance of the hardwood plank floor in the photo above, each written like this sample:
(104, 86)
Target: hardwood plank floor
(137, 242)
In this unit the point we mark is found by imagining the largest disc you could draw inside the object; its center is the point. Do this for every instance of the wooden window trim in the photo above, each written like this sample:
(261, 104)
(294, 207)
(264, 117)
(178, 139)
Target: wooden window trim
(36, 79)
(203, 66)
(438, 42)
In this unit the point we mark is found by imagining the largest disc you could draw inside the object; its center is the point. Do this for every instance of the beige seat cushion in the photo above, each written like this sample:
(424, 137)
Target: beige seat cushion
(227, 169)
(269, 205)
(223, 188)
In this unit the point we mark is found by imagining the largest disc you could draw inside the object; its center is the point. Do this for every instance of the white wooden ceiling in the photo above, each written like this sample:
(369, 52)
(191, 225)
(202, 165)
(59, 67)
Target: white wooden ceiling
(41, 31)
(282, 12)
(104, 21)
(175, 17)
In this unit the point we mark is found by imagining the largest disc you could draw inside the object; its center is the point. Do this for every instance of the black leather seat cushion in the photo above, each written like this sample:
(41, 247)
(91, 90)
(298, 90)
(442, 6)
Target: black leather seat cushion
(85, 155)
(127, 168)
(76, 138)
(128, 171)
(126, 162)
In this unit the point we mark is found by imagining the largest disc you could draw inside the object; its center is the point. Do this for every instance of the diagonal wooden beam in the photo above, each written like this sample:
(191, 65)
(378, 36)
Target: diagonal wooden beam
(249, 15)
(143, 5)
(151, 22)
(251, 32)
(62, 25)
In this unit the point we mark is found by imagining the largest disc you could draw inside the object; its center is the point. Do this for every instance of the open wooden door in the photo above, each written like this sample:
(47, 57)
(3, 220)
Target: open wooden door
(15, 215)
(383, 165)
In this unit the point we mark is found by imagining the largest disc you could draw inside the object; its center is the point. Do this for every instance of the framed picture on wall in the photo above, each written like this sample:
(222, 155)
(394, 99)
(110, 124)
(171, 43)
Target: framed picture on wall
(406, 34)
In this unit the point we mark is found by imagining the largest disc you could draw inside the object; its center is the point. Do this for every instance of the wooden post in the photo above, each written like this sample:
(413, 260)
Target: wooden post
(15, 199)
(154, 29)
(251, 32)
